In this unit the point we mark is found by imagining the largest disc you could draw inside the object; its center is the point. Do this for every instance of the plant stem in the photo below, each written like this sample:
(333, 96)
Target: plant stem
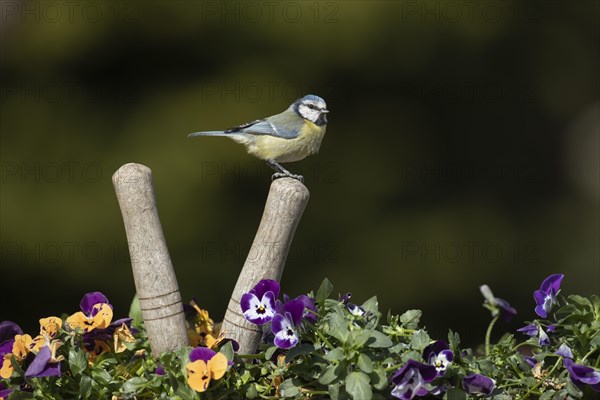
(530, 391)
(324, 339)
(488, 334)
(588, 354)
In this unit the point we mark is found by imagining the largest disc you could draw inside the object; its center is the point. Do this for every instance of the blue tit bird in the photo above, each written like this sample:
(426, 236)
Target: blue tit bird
(290, 136)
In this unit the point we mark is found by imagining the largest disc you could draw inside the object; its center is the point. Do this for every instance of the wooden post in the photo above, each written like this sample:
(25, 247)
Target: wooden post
(153, 272)
(286, 202)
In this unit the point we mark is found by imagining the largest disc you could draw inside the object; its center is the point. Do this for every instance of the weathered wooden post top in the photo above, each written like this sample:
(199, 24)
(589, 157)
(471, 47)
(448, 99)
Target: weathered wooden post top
(155, 280)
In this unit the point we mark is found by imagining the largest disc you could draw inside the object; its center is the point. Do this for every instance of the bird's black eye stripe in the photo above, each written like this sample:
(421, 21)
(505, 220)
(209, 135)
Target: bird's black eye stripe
(312, 107)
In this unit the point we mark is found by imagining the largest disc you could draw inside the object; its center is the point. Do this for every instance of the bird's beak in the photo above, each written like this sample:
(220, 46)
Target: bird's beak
(195, 134)
(325, 111)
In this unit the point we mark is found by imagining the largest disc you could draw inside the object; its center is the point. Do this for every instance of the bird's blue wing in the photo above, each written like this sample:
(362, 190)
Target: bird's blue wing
(277, 126)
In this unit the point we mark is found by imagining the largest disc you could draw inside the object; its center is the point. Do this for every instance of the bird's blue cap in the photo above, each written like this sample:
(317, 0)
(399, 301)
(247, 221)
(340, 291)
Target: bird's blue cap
(312, 97)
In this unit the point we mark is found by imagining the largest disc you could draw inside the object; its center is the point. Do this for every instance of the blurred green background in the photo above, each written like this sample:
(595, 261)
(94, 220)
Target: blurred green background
(462, 148)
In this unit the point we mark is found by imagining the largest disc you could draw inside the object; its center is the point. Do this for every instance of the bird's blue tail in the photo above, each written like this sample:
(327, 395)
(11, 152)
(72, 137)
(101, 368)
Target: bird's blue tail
(208, 133)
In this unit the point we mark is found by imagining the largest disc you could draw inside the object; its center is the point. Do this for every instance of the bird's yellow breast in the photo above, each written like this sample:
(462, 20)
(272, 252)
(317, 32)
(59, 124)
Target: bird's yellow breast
(275, 148)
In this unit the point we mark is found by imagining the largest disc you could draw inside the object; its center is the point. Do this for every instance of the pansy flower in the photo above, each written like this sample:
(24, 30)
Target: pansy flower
(439, 355)
(582, 374)
(4, 392)
(98, 341)
(411, 380)
(13, 343)
(564, 351)
(49, 328)
(478, 384)
(205, 365)
(96, 313)
(545, 298)
(354, 309)
(285, 323)
(310, 308)
(534, 330)
(121, 336)
(258, 305)
(95, 348)
(46, 363)
(531, 361)
(497, 305)
(201, 329)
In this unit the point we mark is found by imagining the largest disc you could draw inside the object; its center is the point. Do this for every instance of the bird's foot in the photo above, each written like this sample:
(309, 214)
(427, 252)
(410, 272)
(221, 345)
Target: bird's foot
(278, 175)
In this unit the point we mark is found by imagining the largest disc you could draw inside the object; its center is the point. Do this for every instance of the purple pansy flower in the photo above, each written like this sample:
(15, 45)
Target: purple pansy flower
(8, 330)
(564, 351)
(345, 297)
(532, 361)
(411, 379)
(4, 392)
(202, 353)
(310, 308)
(582, 374)
(107, 333)
(533, 330)
(545, 298)
(478, 384)
(355, 310)
(160, 371)
(43, 365)
(497, 305)
(258, 305)
(439, 355)
(286, 322)
(89, 300)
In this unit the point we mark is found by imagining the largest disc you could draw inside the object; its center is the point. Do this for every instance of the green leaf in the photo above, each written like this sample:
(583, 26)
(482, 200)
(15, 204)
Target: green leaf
(135, 312)
(364, 363)
(85, 386)
(580, 301)
(77, 361)
(379, 378)
(336, 354)
(573, 390)
(337, 325)
(132, 385)
(453, 341)
(595, 340)
(251, 393)
(419, 340)
(20, 396)
(358, 386)
(227, 350)
(410, 355)
(547, 395)
(455, 394)
(334, 391)
(288, 389)
(501, 396)
(379, 340)
(371, 305)
(410, 319)
(270, 351)
(330, 375)
(324, 291)
(101, 376)
(358, 338)
(304, 348)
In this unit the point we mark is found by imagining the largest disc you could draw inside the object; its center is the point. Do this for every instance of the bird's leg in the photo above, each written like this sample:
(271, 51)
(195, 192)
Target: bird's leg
(281, 172)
